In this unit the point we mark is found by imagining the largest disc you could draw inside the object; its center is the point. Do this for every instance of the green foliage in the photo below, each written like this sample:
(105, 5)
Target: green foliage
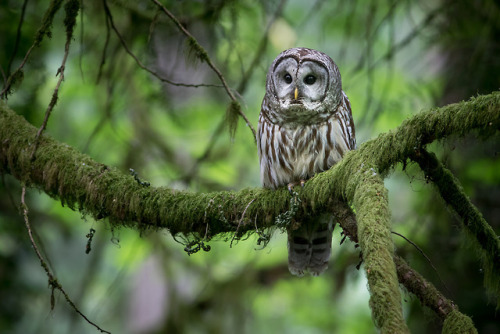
(121, 117)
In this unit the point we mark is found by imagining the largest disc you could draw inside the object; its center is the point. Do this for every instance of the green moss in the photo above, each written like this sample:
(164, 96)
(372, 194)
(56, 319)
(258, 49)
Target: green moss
(232, 113)
(198, 51)
(48, 18)
(457, 323)
(481, 235)
(71, 8)
(375, 240)
(101, 191)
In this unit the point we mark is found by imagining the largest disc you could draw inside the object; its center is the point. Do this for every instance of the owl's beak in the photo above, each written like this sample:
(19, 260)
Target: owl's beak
(296, 93)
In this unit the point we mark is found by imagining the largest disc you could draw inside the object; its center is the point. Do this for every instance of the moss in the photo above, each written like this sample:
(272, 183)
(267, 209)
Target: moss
(481, 235)
(197, 49)
(48, 18)
(101, 191)
(458, 323)
(232, 113)
(71, 8)
(374, 234)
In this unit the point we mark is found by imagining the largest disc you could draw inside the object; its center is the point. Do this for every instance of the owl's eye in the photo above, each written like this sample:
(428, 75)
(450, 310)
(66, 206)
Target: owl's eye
(310, 79)
(288, 78)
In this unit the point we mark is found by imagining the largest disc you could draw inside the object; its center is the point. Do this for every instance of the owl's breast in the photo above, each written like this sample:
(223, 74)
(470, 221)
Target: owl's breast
(291, 154)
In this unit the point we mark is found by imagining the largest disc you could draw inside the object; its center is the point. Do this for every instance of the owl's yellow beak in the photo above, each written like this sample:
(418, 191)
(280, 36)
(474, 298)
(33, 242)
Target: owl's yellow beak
(296, 93)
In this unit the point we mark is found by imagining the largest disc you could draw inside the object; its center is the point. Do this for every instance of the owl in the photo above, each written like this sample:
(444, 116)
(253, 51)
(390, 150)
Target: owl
(305, 127)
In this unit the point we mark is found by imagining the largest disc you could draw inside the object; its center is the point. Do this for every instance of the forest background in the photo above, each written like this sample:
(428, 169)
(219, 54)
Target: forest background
(396, 58)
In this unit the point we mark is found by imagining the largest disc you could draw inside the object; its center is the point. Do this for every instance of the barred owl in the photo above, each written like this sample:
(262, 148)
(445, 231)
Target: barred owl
(305, 127)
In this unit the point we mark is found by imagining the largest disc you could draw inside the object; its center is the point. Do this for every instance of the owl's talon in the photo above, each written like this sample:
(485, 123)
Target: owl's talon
(290, 188)
(302, 183)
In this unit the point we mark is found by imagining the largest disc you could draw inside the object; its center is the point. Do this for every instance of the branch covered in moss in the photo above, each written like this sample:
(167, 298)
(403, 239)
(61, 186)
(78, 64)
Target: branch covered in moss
(43, 31)
(374, 233)
(481, 233)
(202, 55)
(426, 292)
(105, 192)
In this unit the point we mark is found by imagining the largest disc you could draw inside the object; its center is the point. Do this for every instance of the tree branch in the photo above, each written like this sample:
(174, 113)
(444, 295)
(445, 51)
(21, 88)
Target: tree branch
(413, 282)
(110, 21)
(482, 234)
(71, 8)
(203, 56)
(44, 30)
(374, 233)
(53, 283)
(105, 192)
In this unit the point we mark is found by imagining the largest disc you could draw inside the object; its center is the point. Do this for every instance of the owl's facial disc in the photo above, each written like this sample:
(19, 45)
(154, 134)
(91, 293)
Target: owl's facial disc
(303, 84)
(284, 79)
(312, 82)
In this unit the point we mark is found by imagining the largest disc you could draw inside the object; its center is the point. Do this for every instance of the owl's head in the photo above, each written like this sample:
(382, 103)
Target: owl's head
(303, 86)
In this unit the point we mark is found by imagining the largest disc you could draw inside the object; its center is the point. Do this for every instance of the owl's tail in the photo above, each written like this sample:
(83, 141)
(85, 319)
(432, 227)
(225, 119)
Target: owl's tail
(310, 246)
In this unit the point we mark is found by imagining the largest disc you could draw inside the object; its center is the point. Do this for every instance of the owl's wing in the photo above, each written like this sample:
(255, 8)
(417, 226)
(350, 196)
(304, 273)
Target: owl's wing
(347, 121)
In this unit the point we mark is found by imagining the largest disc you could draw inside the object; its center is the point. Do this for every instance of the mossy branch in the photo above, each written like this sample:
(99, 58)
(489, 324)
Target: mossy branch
(482, 235)
(374, 234)
(105, 192)
(44, 30)
(202, 55)
(414, 283)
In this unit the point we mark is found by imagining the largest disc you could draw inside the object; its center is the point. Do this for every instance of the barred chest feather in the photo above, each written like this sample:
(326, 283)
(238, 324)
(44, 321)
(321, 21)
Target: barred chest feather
(290, 154)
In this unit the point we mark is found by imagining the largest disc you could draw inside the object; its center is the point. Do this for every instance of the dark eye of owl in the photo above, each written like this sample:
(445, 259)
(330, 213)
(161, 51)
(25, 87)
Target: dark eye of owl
(310, 79)
(288, 78)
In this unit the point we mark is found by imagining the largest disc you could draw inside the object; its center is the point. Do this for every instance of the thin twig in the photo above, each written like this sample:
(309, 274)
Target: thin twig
(53, 283)
(55, 94)
(139, 63)
(9, 80)
(240, 222)
(209, 63)
(409, 38)
(104, 49)
(371, 35)
(4, 77)
(80, 58)
(241, 88)
(42, 31)
(426, 257)
(260, 51)
(18, 37)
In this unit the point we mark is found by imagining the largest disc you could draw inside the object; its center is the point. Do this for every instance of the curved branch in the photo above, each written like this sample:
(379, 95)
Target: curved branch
(71, 8)
(103, 191)
(203, 55)
(44, 30)
(481, 232)
(415, 283)
(374, 233)
(110, 21)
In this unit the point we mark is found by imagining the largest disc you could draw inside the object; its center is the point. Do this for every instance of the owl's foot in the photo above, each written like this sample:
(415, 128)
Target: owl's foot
(293, 184)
